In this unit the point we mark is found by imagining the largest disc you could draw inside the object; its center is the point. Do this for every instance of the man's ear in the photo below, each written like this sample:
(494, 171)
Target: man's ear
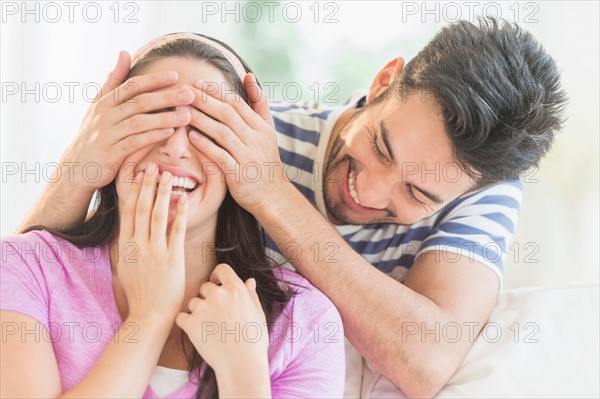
(385, 77)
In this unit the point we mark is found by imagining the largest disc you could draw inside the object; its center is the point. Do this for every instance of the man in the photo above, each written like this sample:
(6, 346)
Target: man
(420, 179)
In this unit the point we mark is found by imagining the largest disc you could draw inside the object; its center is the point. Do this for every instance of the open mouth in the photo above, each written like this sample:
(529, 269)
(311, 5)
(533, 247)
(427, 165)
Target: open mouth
(351, 188)
(180, 185)
(350, 192)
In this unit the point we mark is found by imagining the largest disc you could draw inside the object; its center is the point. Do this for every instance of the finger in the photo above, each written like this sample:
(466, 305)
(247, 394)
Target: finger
(177, 233)
(136, 142)
(232, 111)
(117, 76)
(219, 132)
(207, 289)
(136, 86)
(122, 68)
(251, 283)
(206, 93)
(182, 320)
(146, 202)
(258, 98)
(251, 286)
(223, 274)
(141, 123)
(160, 212)
(216, 154)
(156, 101)
(127, 220)
(194, 303)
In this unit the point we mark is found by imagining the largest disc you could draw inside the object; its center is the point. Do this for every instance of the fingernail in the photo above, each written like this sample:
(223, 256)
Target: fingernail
(199, 84)
(151, 168)
(183, 115)
(167, 131)
(194, 135)
(185, 95)
(183, 198)
(165, 177)
(253, 284)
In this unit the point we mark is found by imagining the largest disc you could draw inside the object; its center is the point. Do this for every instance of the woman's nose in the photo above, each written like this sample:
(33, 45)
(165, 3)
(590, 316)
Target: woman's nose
(178, 145)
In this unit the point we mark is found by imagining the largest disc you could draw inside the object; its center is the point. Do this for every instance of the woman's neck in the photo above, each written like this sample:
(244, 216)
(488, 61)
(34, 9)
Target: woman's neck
(200, 260)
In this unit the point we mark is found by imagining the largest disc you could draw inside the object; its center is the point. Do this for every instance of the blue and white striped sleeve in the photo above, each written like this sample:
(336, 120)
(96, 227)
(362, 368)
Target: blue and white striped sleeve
(479, 226)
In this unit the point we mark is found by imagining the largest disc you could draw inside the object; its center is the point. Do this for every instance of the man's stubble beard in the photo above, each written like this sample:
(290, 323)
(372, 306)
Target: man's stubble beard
(336, 210)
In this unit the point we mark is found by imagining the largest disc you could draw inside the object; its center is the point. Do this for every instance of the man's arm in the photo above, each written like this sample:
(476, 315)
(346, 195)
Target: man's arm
(121, 121)
(61, 205)
(64, 204)
(407, 332)
(379, 313)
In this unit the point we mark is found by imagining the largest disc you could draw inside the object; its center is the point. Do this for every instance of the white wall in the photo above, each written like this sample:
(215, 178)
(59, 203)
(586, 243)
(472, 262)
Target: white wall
(557, 237)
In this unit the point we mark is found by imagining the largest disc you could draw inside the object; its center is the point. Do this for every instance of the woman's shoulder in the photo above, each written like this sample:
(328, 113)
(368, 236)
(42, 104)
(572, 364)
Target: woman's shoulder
(32, 265)
(31, 247)
(32, 239)
(46, 252)
(45, 257)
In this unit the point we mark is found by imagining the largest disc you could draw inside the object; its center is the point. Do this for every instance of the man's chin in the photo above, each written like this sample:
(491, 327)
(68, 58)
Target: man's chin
(337, 215)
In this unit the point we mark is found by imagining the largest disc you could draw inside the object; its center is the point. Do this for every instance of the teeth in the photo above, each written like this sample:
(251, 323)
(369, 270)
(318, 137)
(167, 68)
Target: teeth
(353, 192)
(183, 182)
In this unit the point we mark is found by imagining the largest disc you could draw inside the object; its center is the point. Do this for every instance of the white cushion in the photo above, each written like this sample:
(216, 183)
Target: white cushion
(539, 342)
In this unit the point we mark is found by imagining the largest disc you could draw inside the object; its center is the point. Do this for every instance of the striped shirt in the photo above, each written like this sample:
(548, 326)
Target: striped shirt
(479, 225)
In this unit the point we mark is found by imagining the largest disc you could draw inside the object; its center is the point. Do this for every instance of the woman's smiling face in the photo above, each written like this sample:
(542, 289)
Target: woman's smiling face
(189, 166)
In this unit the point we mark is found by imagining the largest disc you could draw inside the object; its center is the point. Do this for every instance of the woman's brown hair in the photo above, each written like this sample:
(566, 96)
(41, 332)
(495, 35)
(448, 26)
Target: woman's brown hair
(239, 240)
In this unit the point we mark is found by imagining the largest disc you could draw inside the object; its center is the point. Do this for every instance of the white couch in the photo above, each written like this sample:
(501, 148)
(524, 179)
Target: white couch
(553, 351)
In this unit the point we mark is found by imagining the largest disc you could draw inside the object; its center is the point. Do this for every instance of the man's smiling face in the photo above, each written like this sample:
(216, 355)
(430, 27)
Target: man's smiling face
(392, 162)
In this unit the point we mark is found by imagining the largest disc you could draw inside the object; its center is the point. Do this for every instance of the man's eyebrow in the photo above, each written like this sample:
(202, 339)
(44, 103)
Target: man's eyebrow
(386, 139)
(435, 198)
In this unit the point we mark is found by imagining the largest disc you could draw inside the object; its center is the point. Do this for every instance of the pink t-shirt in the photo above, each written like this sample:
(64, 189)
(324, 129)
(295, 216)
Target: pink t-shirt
(70, 292)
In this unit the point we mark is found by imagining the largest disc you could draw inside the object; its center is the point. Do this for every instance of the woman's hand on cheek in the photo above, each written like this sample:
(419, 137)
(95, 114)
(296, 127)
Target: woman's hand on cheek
(151, 266)
(226, 323)
(243, 144)
(120, 122)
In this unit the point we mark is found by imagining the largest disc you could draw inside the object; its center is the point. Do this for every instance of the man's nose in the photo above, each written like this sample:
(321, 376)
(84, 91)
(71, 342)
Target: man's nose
(373, 190)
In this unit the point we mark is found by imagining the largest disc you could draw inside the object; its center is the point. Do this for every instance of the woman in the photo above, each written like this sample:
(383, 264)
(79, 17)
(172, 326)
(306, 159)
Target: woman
(165, 291)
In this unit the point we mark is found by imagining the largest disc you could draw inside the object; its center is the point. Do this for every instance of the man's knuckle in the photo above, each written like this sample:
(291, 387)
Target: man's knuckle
(98, 119)
(224, 131)
(136, 122)
(227, 112)
(141, 103)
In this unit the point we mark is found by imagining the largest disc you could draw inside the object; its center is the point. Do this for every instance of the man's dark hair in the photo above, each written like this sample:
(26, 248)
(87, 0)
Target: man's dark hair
(499, 95)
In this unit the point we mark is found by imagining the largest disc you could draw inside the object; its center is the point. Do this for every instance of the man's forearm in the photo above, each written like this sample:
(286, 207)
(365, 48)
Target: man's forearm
(61, 205)
(374, 307)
